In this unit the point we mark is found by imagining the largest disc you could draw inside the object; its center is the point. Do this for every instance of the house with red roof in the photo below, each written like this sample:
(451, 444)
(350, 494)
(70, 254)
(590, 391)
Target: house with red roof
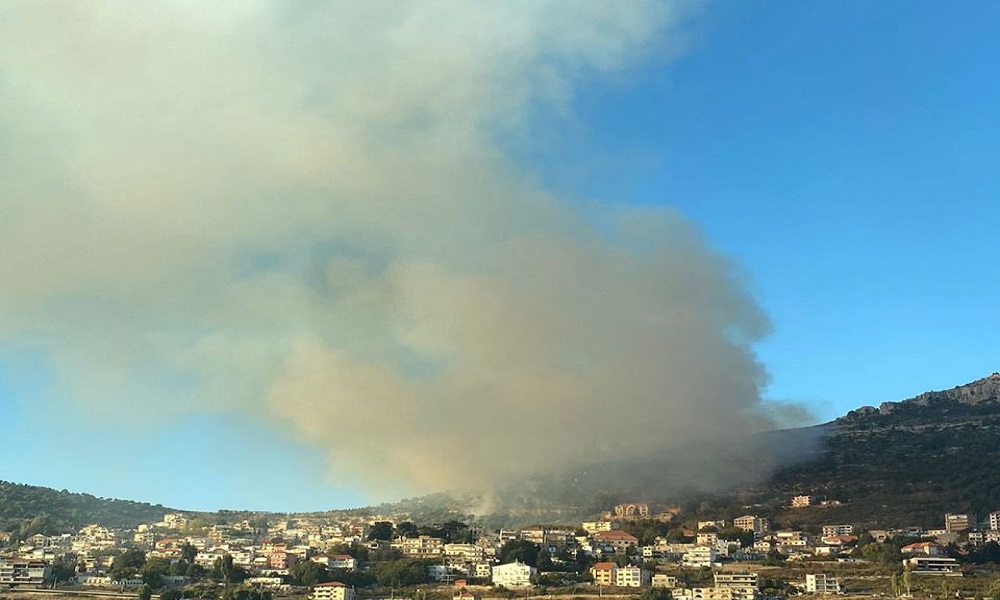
(615, 540)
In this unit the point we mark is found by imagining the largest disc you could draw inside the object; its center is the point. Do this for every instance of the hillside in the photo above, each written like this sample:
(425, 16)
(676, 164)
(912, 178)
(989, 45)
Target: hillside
(899, 464)
(29, 509)
(903, 463)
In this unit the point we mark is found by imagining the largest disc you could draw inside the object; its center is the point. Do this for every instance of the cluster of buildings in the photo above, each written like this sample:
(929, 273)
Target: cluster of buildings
(268, 551)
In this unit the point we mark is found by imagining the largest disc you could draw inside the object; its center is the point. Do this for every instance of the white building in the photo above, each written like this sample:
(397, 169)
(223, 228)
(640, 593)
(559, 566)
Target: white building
(442, 573)
(829, 530)
(515, 574)
(699, 556)
(820, 583)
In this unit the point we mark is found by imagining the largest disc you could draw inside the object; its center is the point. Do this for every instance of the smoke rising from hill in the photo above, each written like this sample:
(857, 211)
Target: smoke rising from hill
(302, 213)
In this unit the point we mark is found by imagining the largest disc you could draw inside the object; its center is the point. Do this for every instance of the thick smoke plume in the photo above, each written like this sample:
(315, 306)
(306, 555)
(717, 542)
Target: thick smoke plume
(301, 211)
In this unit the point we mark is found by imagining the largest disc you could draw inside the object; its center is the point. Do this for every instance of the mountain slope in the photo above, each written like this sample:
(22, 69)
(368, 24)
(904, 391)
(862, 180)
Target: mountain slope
(904, 463)
(32, 509)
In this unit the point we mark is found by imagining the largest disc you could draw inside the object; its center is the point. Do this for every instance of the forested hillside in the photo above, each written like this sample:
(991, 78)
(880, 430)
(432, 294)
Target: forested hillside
(27, 509)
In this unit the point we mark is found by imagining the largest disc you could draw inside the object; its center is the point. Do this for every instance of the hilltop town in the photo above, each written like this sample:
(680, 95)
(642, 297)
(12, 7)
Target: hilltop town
(634, 549)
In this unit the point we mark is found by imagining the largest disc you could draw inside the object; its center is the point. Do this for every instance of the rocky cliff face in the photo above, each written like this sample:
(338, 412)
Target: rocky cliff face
(981, 391)
(978, 394)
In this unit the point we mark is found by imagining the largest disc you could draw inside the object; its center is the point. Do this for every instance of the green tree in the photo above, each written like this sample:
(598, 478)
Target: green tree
(308, 572)
(228, 572)
(153, 571)
(127, 563)
(353, 549)
(144, 592)
(397, 573)
(407, 529)
(656, 594)
(519, 550)
(381, 531)
(63, 571)
(188, 552)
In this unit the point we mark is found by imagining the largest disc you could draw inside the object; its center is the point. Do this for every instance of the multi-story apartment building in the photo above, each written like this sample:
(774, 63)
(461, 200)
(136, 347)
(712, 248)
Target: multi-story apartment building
(423, 546)
(595, 526)
(739, 579)
(744, 584)
(792, 538)
(515, 574)
(699, 556)
(954, 522)
(617, 540)
(610, 574)
(802, 501)
(469, 552)
(332, 591)
(820, 583)
(933, 565)
(15, 571)
(829, 530)
(752, 523)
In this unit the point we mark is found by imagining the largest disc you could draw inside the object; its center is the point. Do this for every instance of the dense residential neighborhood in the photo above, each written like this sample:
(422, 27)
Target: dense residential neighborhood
(630, 548)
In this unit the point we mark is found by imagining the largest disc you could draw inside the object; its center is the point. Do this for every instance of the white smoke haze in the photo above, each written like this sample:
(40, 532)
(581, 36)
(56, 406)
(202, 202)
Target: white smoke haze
(301, 210)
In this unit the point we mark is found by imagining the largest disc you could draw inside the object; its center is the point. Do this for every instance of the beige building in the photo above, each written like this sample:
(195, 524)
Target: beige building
(332, 591)
(752, 523)
(610, 574)
(802, 501)
(662, 580)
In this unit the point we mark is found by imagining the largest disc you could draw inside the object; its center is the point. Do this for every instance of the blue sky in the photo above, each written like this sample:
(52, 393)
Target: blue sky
(843, 156)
